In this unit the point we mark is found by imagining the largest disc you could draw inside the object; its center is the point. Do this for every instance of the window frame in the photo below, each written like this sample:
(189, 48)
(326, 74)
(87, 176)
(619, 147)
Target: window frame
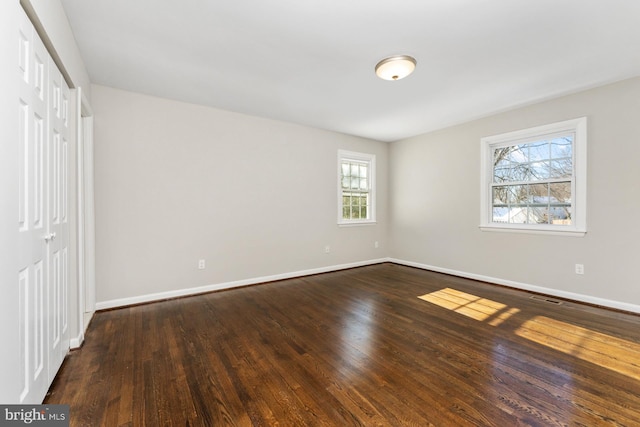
(578, 178)
(370, 159)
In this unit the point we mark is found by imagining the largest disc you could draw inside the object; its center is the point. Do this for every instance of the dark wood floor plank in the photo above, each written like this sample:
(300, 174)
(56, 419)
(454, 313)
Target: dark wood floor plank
(356, 347)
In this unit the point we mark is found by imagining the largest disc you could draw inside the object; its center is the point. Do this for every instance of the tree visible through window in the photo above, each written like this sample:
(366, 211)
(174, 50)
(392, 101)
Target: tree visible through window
(356, 187)
(532, 182)
(535, 179)
(355, 190)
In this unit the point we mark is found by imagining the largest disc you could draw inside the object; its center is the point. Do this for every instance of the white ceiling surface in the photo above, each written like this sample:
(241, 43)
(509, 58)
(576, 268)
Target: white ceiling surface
(312, 61)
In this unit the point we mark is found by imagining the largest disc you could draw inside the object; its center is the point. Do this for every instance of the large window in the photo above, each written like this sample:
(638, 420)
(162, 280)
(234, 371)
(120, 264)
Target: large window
(356, 188)
(535, 179)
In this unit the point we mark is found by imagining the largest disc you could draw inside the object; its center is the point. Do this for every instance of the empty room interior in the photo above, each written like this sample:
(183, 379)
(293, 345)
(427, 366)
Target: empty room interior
(321, 213)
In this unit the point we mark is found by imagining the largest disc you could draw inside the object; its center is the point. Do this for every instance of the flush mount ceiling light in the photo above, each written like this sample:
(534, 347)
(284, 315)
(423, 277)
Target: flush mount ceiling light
(395, 67)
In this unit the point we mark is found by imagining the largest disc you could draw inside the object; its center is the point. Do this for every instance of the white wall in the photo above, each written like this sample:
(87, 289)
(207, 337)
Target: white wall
(177, 182)
(9, 362)
(435, 202)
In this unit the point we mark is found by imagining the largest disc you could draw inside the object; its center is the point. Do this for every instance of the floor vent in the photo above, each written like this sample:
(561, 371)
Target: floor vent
(545, 299)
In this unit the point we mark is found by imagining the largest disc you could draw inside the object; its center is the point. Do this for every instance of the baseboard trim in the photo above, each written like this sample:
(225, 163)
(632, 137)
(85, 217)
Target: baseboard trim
(141, 299)
(76, 342)
(122, 302)
(617, 305)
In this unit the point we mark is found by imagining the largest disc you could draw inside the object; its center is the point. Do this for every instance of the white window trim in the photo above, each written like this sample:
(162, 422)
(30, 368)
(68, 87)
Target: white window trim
(579, 182)
(362, 157)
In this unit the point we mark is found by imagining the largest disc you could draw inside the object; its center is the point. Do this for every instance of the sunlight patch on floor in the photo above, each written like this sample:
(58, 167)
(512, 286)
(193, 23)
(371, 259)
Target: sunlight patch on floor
(477, 308)
(604, 350)
(601, 349)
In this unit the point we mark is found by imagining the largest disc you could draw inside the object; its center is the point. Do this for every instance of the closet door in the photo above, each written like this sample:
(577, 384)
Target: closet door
(43, 272)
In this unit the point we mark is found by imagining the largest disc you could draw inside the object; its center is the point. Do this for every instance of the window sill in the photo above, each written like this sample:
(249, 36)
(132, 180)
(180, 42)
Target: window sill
(531, 230)
(356, 223)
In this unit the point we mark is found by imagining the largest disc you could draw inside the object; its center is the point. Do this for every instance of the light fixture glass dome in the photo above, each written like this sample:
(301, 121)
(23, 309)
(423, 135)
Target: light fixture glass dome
(395, 67)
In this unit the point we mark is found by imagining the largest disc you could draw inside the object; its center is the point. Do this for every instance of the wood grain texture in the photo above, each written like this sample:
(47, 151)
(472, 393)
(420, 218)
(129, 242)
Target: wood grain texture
(356, 347)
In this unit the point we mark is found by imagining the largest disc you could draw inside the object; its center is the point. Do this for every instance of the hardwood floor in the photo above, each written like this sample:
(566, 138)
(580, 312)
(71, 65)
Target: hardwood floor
(356, 347)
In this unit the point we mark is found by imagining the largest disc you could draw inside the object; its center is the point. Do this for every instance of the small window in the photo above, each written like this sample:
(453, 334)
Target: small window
(535, 179)
(356, 188)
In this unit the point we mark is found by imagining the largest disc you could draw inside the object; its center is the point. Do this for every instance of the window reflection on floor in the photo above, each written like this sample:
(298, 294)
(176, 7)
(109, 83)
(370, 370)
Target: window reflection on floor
(604, 350)
(358, 332)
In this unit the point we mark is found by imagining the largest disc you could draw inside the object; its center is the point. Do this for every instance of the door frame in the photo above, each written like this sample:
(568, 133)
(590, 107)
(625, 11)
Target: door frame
(85, 215)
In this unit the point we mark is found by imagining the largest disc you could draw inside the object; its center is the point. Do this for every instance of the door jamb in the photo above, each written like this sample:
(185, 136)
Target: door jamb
(86, 228)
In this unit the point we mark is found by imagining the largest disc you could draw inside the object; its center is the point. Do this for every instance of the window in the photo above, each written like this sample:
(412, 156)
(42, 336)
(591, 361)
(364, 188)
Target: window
(356, 188)
(534, 180)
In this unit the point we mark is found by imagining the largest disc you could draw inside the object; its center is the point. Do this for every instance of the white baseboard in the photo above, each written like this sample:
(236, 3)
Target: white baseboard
(76, 342)
(87, 319)
(121, 302)
(618, 305)
(527, 287)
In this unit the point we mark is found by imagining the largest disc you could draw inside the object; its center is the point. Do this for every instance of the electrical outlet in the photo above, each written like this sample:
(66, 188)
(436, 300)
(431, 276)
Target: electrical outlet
(201, 264)
(579, 268)
(327, 249)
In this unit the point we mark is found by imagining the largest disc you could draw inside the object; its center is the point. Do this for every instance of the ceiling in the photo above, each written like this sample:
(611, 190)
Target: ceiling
(312, 61)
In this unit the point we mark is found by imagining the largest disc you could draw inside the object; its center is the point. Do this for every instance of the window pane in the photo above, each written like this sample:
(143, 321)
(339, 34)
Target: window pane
(502, 174)
(345, 212)
(500, 215)
(562, 147)
(516, 194)
(539, 194)
(363, 171)
(345, 169)
(518, 153)
(363, 212)
(355, 201)
(561, 168)
(560, 216)
(518, 215)
(500, 195)
(346, 200)
(354, 169)
(363, 184)
(537, 171)
(500, 157)
(531, 161)
(538, 151)
(539, 215)
(345, 182)
(521, 172)
(355, 213)
(560, 192)
(355, 183)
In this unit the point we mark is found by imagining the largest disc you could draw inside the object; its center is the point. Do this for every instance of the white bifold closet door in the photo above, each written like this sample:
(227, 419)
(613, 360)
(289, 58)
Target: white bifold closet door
(43, 216)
